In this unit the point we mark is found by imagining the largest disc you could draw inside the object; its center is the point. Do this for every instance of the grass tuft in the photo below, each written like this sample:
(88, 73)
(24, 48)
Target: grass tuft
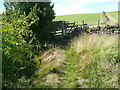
(91, 61)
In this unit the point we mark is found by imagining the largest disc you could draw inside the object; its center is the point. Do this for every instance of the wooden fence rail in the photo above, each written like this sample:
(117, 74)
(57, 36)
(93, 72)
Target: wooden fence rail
(65, 28)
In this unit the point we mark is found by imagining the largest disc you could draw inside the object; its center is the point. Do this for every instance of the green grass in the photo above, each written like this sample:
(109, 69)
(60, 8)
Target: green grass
(114, 15)
(90, 19)
(96, 61)
(91, 61)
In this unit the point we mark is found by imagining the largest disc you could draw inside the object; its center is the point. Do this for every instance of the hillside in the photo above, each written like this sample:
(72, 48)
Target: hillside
(90, 19)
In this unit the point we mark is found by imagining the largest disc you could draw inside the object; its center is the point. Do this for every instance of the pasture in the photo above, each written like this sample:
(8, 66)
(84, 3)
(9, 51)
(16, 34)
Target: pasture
(90, 19)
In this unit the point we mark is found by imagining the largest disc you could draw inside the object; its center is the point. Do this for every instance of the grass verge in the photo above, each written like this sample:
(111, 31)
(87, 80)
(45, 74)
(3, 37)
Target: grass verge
(91, 61)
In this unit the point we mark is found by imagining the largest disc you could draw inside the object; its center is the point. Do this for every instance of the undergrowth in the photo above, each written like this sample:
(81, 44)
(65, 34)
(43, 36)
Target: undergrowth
(91, 61)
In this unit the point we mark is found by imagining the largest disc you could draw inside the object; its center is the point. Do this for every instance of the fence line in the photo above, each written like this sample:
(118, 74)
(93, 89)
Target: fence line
(65, 28)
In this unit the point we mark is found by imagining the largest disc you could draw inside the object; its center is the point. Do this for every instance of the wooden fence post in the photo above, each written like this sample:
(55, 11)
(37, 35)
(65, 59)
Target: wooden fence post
(62, 30)
(74, 25)
(98, 22)
(83, 27)
(82, 22)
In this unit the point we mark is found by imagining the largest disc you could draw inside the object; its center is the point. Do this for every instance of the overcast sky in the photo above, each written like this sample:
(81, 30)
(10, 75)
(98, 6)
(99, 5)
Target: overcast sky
(64, 7)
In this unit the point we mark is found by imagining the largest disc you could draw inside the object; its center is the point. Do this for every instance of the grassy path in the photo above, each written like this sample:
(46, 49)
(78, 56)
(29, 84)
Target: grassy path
(90, 61)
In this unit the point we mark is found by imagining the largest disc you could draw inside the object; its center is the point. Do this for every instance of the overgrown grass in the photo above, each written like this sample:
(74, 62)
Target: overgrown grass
(50, 69)
(91, 61)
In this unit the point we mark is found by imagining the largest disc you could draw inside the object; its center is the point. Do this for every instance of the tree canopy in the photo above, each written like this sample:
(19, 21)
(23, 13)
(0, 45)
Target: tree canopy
(26, 26)
(41, 11)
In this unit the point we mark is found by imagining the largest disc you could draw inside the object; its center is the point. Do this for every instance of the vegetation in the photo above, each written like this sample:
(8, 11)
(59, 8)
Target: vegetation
(96, 63)
(21, 41)
(91, 61)
(90, 19)
(41, 11)
(18, 54)
(114, 15)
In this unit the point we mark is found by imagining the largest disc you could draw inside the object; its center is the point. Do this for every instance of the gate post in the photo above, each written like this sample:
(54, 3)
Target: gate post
(98, 24)
(83, 27)
(63, 31)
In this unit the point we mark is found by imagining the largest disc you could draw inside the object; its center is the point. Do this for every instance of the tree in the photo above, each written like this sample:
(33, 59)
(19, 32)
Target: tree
(42, 11)
(22, 24)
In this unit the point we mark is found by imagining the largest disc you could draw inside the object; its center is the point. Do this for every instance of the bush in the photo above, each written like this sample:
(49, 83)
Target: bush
(18, 54)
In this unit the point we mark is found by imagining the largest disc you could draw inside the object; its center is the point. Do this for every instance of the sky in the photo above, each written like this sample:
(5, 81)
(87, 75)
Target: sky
(1, 7)
(65, 7)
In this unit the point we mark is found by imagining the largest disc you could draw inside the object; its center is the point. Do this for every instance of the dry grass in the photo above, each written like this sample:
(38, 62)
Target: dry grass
(98, 59)
(48, 73)
(55, 55)
(90, 62)
(90, 42)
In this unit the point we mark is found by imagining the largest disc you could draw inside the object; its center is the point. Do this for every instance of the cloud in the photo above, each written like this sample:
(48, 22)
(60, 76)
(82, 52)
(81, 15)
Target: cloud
(1, 11)
(63, 7)
(83, 1)
(1, 0)
(64, 10)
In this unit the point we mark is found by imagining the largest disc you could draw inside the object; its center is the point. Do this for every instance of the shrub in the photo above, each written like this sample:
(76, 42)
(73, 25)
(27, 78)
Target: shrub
(18, 54)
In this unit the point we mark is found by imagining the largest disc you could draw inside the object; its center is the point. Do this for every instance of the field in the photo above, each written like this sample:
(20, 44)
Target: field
(90, 19)
(114, 15)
